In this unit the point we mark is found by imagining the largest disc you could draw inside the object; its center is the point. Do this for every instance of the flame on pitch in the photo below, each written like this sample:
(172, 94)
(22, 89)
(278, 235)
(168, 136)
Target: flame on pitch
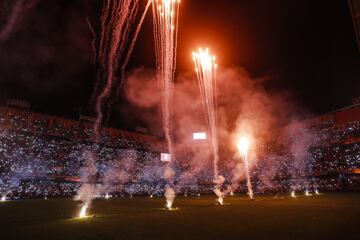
(220, 199)
(169, 204)
(83, 211)
(3, 198)
(293, 194)
(170, 196)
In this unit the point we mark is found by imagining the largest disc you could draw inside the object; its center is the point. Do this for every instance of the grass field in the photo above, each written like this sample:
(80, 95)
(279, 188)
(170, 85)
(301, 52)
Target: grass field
(328, 216)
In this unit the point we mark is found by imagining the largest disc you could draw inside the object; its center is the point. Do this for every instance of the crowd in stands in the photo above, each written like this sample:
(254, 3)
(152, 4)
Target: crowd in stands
(42, 156)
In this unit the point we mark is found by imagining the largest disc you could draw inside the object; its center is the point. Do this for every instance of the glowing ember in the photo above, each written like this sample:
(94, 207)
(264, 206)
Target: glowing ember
(82, 213)
(293, 194)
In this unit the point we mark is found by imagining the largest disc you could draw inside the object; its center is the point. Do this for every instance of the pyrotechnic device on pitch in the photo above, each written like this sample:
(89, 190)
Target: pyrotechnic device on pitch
(83, 213)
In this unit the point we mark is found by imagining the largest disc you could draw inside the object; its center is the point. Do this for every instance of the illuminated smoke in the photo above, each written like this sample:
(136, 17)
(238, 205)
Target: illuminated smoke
(12, 179)
(245, 108)
(170, 196)
(238, 174)
(118, 174)
(219, 181)
(298, 141)
(169, 174)
(88, 190)
(220, 196)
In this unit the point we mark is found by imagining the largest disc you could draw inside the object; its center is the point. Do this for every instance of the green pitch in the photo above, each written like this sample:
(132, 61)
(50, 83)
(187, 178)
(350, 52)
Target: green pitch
(328, 216)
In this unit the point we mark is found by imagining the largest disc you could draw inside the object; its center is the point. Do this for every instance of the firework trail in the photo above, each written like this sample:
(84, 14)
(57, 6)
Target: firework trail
(165, 32)
(17, 13)
(93, 42)
(165, 18)
(206, 70)
(117, 18)
(243, 146)
(132, 45)
(127, 58)
(112, 47)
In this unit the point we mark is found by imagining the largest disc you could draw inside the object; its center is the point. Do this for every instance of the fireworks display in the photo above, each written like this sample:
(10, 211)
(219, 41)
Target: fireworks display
(206, 70)
(165, 21)
(165, 15)
(243, 146)
(43, 157)
(117, 20)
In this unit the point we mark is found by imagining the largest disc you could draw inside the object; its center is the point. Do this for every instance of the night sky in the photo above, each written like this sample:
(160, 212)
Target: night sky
(305, 47)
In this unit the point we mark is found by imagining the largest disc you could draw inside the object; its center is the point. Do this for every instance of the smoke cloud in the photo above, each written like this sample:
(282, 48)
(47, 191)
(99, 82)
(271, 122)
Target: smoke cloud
(245, 108)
